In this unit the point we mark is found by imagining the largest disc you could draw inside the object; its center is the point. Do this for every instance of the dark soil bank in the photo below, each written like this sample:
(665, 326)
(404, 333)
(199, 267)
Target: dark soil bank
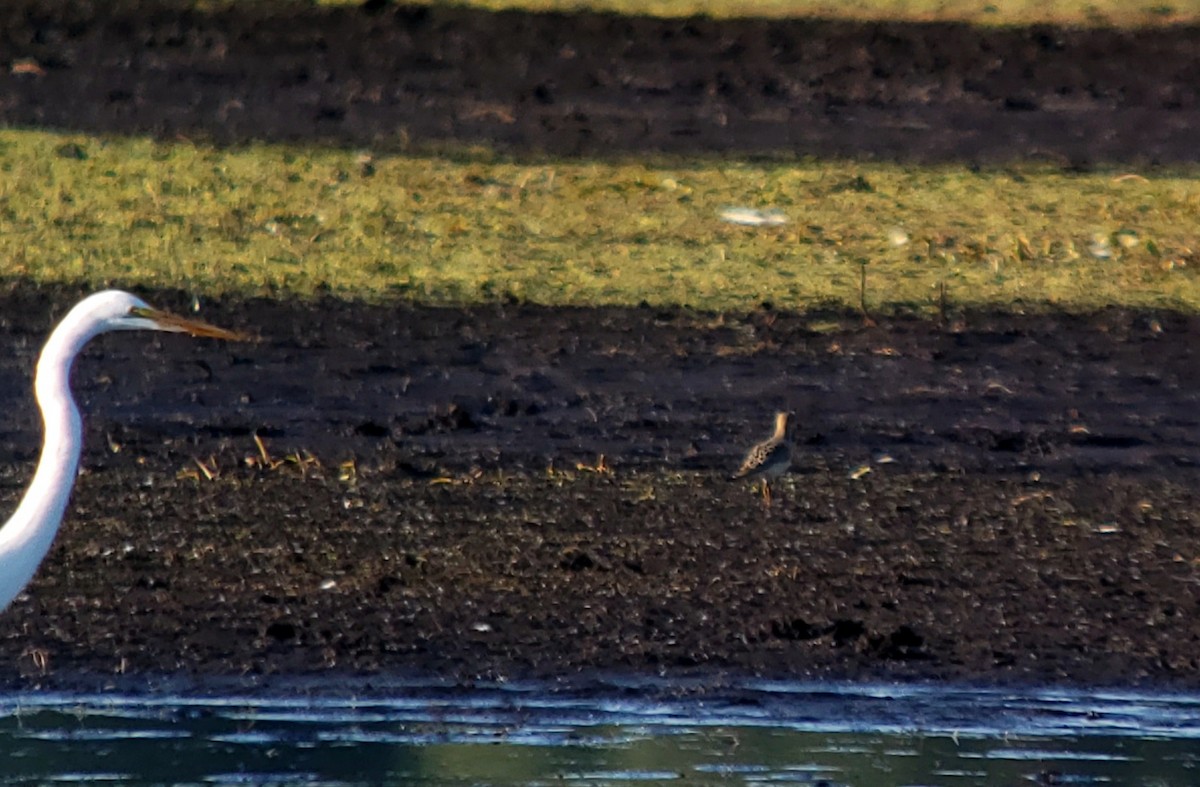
(1038, 523)
(588, 84)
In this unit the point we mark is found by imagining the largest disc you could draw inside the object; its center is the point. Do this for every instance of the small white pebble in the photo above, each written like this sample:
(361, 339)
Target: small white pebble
(1100, 248)
(751, 217)
(1127, 238)
(328, 584)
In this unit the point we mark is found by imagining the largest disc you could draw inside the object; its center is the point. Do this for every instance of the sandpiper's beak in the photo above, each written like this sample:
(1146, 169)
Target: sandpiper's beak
(166, 321)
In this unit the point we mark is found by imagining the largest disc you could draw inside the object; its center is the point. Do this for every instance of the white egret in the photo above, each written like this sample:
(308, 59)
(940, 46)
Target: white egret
(27, 535)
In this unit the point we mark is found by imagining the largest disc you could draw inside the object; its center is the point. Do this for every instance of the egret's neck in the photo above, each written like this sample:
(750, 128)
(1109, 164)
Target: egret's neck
(62, 438)
(28, 534)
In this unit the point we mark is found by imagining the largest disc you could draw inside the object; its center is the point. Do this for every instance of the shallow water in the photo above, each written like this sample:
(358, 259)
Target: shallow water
(616, 732)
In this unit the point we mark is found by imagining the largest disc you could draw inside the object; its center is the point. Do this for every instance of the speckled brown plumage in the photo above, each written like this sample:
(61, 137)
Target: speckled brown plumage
(769, 459)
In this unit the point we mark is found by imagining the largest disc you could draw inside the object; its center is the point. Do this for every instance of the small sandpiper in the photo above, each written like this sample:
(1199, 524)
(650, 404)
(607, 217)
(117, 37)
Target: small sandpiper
(769, 459)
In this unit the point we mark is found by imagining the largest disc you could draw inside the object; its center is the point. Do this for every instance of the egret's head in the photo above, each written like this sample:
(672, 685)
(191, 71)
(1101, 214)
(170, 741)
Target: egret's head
(115, 310)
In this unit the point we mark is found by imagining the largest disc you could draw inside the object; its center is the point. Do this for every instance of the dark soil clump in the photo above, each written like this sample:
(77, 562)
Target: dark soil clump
(526, 492)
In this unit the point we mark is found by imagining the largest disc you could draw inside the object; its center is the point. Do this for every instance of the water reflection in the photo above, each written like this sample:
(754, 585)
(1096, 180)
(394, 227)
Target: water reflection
(621, 732)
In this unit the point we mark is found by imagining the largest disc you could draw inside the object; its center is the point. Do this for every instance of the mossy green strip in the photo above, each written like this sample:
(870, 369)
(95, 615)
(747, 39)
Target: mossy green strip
(475, 227)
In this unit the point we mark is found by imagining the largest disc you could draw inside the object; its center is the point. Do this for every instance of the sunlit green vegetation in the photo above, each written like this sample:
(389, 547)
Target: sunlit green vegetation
(271, 219)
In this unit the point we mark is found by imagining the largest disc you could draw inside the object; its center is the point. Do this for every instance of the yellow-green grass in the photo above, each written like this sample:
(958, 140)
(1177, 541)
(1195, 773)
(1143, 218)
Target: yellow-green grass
(985, 12)
(476, 227)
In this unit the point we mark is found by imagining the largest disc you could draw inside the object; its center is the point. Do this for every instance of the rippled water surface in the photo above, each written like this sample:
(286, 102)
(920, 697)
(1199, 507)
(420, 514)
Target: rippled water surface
(617, 732)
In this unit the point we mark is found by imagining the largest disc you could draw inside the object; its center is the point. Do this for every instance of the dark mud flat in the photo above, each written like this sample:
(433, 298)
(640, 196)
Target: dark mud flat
(388, 76)
(1038, 523)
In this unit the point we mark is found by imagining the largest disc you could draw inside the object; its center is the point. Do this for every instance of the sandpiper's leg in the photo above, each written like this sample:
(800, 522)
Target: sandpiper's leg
(766, 493)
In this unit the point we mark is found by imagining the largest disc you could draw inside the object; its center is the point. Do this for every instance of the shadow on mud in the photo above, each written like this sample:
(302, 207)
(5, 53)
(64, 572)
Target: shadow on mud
(585, 84)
